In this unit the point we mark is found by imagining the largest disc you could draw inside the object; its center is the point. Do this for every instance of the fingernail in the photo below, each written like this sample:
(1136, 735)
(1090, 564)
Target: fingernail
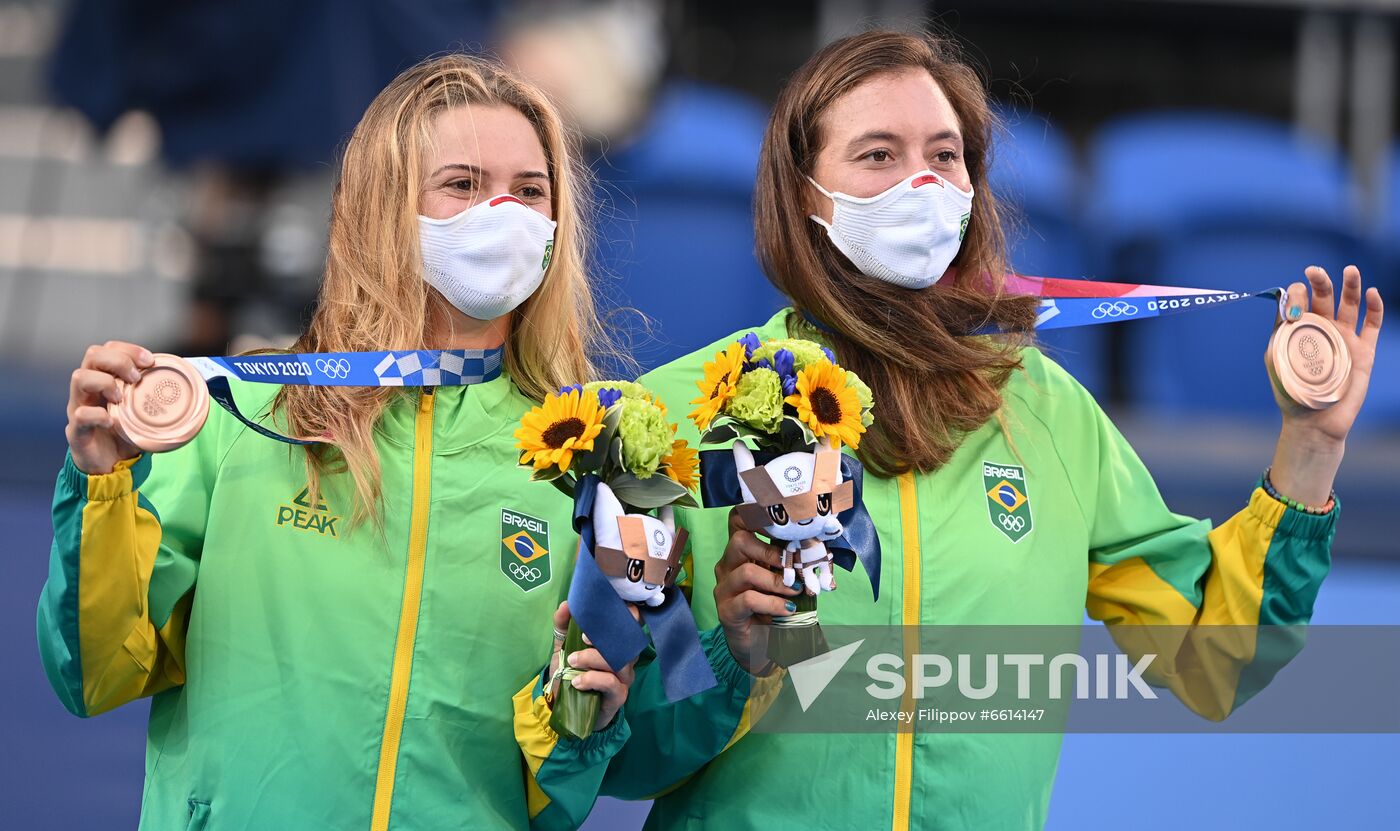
(797, 586)
(791, 607)
(133, 376)
(576, 681)
(571, 657)
(145, 357)
(117, 395)
(1295, 312)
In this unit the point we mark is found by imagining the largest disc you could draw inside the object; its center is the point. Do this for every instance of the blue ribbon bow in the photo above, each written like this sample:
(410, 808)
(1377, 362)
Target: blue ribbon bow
(603, 616)
(719, 487)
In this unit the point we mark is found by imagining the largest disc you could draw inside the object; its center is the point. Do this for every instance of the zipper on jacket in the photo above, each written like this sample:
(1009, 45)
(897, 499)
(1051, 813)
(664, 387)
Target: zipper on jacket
(913, 573)
(408, 613)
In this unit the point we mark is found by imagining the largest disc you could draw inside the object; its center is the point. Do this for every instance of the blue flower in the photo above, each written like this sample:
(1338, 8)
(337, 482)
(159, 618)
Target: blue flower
(571, 388)
(750, 342)
(785, 364)
(608, 397)
(830, 356)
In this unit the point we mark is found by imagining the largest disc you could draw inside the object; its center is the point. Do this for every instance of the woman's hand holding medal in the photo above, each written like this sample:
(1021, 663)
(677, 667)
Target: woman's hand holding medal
(1312, 440)
(102, 379)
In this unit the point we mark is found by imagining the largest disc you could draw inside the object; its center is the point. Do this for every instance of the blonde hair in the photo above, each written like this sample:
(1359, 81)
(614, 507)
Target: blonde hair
(373, 295)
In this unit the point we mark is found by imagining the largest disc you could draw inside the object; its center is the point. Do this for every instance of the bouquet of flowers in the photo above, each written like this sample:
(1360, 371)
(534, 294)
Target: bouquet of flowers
(609, 446)
(797, 407)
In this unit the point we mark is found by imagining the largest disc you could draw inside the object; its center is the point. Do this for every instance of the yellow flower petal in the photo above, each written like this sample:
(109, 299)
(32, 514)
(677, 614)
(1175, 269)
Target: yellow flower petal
(719, 384)
(827, 403)
(550, 433)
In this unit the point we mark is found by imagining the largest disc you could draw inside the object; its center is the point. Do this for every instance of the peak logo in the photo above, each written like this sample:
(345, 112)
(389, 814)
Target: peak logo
(304, 516)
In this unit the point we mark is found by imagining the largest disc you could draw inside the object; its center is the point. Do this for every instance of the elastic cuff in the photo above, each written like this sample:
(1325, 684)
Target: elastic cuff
(1289, 522)
(727, 670)
(600, 745)
(125, 477)
(1306, 526)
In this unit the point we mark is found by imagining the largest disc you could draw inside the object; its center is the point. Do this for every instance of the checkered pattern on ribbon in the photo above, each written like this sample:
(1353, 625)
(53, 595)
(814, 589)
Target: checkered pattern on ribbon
(431, 368)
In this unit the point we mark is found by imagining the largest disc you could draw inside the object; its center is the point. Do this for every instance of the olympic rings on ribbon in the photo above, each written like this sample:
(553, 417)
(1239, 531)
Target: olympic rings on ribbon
(334, 367)
(527, 573)
(1115, 309)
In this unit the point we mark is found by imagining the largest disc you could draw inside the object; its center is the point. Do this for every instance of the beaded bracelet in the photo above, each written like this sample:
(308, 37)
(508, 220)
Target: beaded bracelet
(1269, 488)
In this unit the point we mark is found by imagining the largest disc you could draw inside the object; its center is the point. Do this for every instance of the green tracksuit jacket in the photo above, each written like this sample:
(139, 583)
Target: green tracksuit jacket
(1099, 537)
(311, 675)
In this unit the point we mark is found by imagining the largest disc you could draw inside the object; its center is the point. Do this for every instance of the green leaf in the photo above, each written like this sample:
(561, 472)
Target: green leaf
(565, 485)
(645, 494)
(592, 461)
(726, 429)
(687, 501)
(614, 463)
(548, 474)
(796, 435)
(719, 434)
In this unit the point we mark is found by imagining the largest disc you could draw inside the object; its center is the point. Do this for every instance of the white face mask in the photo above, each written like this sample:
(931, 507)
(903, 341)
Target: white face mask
(907, 235)
(488, 259)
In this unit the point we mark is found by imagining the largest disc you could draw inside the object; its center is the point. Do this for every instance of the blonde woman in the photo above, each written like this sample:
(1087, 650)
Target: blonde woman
(332, 637)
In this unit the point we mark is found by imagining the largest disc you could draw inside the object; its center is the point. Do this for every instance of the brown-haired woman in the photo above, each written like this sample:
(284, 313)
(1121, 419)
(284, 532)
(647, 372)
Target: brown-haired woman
(1001, 492)
(311, 670)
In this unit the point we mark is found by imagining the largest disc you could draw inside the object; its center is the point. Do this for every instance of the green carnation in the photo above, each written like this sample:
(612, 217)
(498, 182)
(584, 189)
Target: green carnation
(804, 352)
(646, 437)
(867, 401)
(758, 401)
(629, 389)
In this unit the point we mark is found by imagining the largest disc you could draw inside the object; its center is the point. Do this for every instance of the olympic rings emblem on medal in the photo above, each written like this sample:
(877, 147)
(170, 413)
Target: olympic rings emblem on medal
(1012, 523)
(1115, 309)
(334, 367)
(527, 573)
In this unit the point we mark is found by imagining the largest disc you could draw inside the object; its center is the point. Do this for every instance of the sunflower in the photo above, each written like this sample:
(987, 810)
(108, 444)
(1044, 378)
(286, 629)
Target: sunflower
(719, 384)
(564, 424)
(680, 464)
(828, 404)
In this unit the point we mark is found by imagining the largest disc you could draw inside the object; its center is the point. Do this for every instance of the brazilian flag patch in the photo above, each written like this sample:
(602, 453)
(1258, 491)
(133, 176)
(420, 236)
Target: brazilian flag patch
(1008, 503)
(524, 549)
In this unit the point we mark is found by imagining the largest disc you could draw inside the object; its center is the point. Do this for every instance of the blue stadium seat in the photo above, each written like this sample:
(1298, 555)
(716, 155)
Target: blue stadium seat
(1389, 227)
(1215, 201)
(675, 231)
(1035, 174)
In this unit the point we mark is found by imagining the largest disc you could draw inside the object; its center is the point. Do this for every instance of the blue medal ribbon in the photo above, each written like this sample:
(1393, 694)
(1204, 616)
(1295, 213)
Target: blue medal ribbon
(404, 368)
(719, 488)
(1067, 312)
(603, 616)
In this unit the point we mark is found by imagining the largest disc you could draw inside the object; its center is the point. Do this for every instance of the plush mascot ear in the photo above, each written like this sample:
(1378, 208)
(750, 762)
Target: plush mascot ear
(667, 515)
(743, 460)
(606, 505)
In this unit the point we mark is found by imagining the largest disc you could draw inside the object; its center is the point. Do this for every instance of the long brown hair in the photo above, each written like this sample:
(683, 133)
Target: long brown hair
(373, 295)
(931, 385)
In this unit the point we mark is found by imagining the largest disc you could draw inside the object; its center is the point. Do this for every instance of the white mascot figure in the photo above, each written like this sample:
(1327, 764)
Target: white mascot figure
(639, 553)
(795, 499)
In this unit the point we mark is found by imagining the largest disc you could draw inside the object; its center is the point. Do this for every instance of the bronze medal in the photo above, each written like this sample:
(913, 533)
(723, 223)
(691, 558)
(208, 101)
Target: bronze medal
(164, 409)
(1309, 362)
